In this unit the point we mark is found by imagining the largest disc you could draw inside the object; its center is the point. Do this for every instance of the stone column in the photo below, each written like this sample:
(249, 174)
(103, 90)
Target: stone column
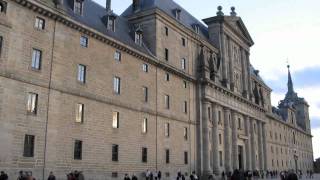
(248, 143)
(215, 140)
(253, 147)
(234, 141)
(223, 56)
(260, 146)
(231, 59)
(227, 140)
(205, 140)
(244, 72)
(250, 94)
(264, 136)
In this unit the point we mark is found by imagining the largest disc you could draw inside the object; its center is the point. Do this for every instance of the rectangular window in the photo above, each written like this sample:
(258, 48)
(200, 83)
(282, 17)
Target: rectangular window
(219, 118)
(183, 40)
(145, 68)
(185, 157)
(185, 84)
(167, 156)
(111, 24)
(185, 107)
(221, 158)
(79, 113)
(144, 155)
(115, 152)
(32, 104)
(166, 54)
(116, 85)
(82, 73)
(166, 30)
(185, 133)
(39, 23)
(167, 77)
(239, 123)
(138, 38)
(183, 64)
(3, 7)
(115, 120)
(167, 101)
(1, 44)
(117, 56)
(78, 150)
(77, 7)
(36, 59)
(220, 139)
(84, 41)
(145, 94)
(145, 125)
(28, 150)
(166, 130)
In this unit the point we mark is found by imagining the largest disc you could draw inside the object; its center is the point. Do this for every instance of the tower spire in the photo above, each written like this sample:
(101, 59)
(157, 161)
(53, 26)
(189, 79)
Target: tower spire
(290, 84)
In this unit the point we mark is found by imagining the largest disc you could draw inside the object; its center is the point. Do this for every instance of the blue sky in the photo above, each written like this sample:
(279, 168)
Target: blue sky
(286, 30)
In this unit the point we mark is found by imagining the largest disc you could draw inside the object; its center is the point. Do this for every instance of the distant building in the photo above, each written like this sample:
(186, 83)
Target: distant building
(82, 88)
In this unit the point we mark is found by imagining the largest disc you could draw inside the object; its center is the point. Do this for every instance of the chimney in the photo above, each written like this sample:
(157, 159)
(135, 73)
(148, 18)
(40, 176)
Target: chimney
(135, 5)
(108, 5)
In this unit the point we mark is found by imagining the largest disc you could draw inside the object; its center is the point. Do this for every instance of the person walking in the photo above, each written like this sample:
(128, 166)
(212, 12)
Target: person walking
(134, 177)
(126, 177)
(51, 176)
(3, 176)
(159, 175)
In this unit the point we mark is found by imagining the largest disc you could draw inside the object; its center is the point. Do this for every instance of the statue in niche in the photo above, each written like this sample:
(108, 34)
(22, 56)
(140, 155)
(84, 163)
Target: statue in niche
(256, 94)
(214, 66)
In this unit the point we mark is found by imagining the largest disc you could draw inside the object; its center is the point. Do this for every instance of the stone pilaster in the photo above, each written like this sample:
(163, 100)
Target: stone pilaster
(250, 93)
(260, 146)
(215, 140)
(235, 158)
(205, 140)
(253, 149)
(244, 72)
(248, 143)
(264, 136)
(223, 58)
(231, 59)
(227, 140)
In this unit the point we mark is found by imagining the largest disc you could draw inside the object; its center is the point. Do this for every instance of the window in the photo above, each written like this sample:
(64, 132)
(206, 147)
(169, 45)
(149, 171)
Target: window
(114, 174)
(117, 56)
(145, 125)
(115, 152)
(183, 40)
(138, 38)
(166, 130)
(220, 158)
(177, 14)
(220, 139)
(209, 113)
(166, 54)
(84, 41)
(36, 59)
(115, 120)
(40, 23)
(167, 77)
(185, 107)
(1, 42)
(79, 113)
(145, 94)
(239, 123)
(185, 84)
(144, 155)
(32, 103)
(116, 85)
(3, 7)
(28, 150)
(196, 29)
(185, 157)
(145, 68)
(82, 73)
(78, 7)
(167, 101)
(111, 23)
(78, 150)
(183, 64)
(166, 30)
(185, 133)
(219, 118)
(167, 156)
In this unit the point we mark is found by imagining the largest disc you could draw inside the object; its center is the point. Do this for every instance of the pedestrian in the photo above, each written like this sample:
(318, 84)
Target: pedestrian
(126, 177)
(223, 175)
(3, 176)
(134, 177)
(51, 176)
(292, 176)
(179, 177)
(235, 175)
(148, 174)
(159, 175)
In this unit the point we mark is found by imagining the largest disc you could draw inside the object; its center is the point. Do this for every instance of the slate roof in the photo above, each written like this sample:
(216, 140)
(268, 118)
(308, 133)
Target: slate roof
(93, 16)
(168, 6)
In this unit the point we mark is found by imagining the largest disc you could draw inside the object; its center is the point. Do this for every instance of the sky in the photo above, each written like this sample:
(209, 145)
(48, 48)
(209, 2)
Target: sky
(283, 31)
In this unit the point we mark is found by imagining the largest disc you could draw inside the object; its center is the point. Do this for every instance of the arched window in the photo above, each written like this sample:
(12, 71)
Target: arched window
(3, 7)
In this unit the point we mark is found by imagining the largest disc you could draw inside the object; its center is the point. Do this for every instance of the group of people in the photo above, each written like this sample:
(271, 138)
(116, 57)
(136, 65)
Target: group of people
(25, 175)
(3, 176)
(75, 175)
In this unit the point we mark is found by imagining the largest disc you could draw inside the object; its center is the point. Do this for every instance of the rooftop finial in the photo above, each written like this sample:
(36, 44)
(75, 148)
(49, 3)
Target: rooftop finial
(233, 11)
(220, 13)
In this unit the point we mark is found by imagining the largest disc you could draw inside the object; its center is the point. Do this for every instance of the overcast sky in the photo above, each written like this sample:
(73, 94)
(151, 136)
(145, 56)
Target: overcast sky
(282, 30)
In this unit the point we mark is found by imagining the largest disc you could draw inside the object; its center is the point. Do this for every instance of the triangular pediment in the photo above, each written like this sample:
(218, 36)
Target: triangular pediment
(238, 26)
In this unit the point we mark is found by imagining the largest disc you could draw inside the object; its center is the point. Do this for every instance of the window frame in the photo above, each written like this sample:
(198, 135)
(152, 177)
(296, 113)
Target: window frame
(79, 113)
(82, 73)
(145, 125)
(144, 155)
(145, 67)
(166, 54)
(167, 101)
(115, 153)
(32, 103)
(77, 153)
(183, 64)
(84, 41)
(186, 158)
(115, 120)
(40, 23)
(145, 94)
(36, 59)
(167, 130)
(116, 85)
(29, 145)
(78, 9)
(167, 157)
(117, 56)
